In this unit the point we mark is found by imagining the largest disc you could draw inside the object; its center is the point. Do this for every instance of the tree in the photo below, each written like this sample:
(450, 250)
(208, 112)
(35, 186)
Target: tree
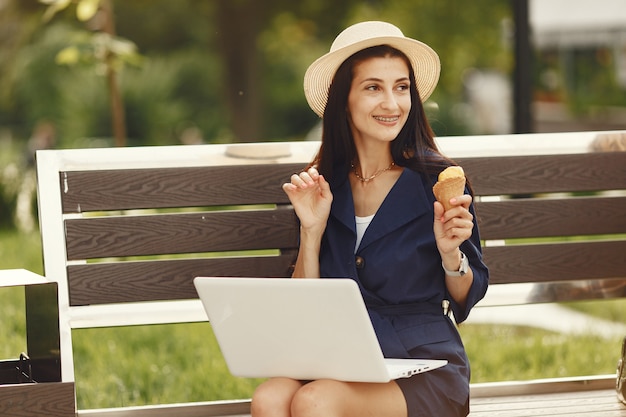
(240, 26)
(108, 51)
(231, 69)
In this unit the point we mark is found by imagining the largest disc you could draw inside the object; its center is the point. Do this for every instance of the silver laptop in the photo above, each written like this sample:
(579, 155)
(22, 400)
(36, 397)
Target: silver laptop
(299, 328)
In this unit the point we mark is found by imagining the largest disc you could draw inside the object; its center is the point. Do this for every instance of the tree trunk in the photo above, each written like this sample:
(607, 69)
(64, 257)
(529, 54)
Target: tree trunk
(238, 25)
(117, 105)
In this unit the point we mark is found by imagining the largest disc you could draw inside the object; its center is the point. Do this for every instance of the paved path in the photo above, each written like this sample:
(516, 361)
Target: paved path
(551, 317)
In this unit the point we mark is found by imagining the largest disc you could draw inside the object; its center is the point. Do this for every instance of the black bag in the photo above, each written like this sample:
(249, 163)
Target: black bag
(620, 383)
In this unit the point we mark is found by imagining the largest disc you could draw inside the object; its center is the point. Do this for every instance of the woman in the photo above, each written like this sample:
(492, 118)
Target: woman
(367, 211)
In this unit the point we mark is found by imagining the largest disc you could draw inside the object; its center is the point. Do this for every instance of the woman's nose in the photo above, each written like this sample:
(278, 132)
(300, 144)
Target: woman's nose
(389, 101)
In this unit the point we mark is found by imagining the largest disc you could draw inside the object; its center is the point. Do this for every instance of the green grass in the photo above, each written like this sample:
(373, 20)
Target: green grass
(163, 364)
(12, 322)
(17, 251)
(152, 365)
(612, 310)
(509, 353)
(21, 251)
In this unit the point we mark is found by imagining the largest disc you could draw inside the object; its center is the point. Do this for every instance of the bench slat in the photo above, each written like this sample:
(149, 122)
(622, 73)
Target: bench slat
(232, 408)
(589, 403)
(547, 262)
(146, 188)
(522, 218)
(43, 399)
(200, 186)
(122, 236)
(122, 282)
(546, 173)
(85, 191)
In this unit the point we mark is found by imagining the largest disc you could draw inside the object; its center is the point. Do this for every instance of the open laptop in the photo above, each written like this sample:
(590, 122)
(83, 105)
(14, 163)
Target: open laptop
(299, 328)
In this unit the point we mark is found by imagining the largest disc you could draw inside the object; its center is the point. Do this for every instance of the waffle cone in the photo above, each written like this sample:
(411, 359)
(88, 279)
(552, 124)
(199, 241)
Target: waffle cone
(447, 189)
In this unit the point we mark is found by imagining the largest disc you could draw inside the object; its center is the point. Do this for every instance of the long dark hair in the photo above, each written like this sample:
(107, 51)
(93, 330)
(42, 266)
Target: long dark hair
(414, 147)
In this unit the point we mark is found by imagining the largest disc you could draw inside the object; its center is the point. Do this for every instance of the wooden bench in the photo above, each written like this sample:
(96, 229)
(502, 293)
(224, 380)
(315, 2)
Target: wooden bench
(125, 231)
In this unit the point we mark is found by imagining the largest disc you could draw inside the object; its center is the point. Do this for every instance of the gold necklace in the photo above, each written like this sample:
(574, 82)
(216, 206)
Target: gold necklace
(377, 173)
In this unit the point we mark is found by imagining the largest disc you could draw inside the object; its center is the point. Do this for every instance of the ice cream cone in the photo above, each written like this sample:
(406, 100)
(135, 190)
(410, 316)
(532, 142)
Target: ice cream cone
(447, 189)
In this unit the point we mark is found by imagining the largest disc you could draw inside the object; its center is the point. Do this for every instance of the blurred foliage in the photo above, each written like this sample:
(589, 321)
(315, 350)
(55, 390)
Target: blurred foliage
(85, 9)
(93, 49)
(183, 81)
(17, 187)
(9, 188)
(102, 48)
(200, 72)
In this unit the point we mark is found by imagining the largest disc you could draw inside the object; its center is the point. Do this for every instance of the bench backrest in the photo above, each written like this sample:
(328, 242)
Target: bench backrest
(219, 211)
(562, 217)
(124, 226)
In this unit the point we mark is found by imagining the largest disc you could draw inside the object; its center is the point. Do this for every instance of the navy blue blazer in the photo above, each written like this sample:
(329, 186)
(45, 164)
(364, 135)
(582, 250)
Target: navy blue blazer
(398, 268)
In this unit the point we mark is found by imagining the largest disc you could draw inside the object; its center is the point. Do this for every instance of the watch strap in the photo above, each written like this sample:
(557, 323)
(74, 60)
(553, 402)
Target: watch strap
(463, 267)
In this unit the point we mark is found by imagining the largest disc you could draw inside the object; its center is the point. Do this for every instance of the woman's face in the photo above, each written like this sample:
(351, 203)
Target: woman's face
(379, 101)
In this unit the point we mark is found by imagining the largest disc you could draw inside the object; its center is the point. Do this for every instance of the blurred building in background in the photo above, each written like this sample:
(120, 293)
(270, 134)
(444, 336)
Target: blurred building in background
(580, 52)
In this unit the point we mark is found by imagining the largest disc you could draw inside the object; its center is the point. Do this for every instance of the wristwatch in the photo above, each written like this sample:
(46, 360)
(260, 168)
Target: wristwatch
(463, 268)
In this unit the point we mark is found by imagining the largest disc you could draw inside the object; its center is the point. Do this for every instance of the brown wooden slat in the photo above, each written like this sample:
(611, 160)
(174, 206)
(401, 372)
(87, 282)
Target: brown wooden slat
(555, 262)
(520, 218)
(84, 191)
(230, 185)
(233, 408)
(581, 403)
(587, 403)
(53, 399)
(180, 233)
(496, 391)
(546, 173)
(120, 282)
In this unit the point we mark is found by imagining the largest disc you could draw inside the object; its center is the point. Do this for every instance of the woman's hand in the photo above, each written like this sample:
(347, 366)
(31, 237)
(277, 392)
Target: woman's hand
(311, 198)
(453, 227)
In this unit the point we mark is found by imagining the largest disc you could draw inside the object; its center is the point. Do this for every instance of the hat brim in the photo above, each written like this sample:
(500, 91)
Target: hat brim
(319, 75)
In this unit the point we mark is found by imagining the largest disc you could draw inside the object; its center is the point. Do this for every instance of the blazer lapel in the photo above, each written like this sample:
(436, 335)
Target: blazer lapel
(343, 205)
(406, 201)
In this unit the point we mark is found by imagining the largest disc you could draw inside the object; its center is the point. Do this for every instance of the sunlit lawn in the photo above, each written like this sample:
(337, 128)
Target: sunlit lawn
(180, 363)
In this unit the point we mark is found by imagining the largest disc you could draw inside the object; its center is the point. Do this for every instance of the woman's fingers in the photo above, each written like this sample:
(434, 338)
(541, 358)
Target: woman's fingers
(306, 178)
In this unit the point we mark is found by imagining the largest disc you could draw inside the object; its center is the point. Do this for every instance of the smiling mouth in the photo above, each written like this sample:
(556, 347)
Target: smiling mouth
(387, 119)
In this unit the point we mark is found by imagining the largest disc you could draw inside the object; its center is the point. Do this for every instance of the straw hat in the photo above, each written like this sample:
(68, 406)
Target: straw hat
(319, 75)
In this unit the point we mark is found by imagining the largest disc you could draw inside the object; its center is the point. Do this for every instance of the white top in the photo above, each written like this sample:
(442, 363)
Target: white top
(361, 226)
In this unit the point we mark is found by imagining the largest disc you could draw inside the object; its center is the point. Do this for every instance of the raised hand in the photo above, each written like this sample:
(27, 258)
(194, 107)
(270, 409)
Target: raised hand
(311, 198)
